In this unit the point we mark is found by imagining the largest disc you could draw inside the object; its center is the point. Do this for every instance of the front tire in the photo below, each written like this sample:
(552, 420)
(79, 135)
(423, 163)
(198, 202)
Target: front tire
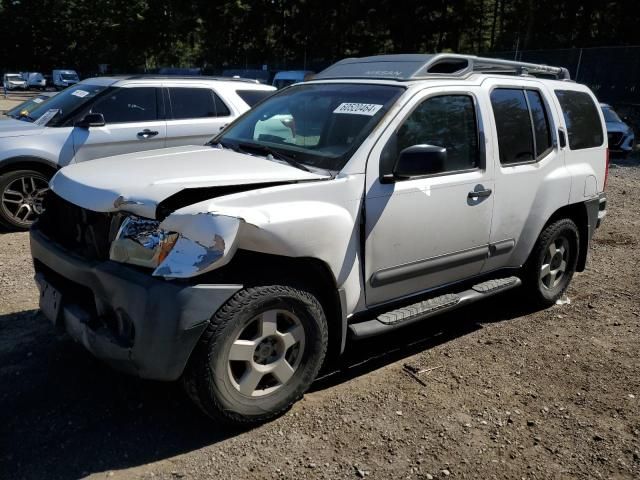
(258, 355)
(21, 196)
(552, 263)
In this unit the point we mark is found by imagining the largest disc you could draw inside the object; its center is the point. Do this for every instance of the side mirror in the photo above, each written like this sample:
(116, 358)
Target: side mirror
(91, 120)
(420, 160)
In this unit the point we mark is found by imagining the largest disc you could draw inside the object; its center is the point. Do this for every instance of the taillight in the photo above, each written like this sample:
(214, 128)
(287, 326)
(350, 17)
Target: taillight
(606, 170)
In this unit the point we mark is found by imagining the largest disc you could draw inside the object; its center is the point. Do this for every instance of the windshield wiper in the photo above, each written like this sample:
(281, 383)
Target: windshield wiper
(274, 153)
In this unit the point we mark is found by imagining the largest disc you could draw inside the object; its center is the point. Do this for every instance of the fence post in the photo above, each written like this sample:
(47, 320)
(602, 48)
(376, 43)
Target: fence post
(578, 67)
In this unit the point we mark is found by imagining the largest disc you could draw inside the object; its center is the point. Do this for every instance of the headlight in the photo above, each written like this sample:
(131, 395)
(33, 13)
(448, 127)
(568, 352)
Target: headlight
(142, 242)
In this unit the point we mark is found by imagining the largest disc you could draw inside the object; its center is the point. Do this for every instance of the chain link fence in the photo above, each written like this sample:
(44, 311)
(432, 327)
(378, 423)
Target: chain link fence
(613, 73)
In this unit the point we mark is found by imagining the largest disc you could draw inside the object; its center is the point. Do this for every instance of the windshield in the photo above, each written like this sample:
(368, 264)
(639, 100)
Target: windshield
(26, 107)
(69, 76)
(14, 77)
(317, 125)
(67, 102)
(610, 115)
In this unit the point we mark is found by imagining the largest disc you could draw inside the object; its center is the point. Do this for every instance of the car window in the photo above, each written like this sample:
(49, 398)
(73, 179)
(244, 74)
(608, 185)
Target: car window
(541, 128)
(196, 103)
(251, 97)
(447, 121)
(69, 102)
(515, 137)
(128, 105)
(319, 125)
(582, 119)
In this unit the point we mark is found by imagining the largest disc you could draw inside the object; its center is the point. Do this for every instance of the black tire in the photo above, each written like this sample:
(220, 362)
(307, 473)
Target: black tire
(208, 379)
(8, 218)
(545, 291)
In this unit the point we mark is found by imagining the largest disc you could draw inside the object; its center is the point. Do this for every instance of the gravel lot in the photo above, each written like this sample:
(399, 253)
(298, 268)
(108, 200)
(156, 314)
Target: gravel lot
(512, 393)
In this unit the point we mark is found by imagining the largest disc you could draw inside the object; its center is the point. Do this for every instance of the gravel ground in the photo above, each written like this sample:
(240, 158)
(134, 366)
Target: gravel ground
(510, 392)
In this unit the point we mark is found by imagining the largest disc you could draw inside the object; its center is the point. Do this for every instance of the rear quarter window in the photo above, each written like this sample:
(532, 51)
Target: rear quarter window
(583, 121)
(251, 97)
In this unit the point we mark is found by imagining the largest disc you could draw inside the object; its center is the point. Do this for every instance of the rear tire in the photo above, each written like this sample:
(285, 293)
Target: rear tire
(552, 262)
(259, 354)
(21, 196)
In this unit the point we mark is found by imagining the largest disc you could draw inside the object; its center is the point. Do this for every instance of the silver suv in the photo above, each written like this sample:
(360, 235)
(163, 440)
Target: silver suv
(105, 116)
(383, 192)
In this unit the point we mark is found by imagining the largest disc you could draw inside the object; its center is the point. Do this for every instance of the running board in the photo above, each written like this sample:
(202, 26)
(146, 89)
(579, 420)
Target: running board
(410, 314)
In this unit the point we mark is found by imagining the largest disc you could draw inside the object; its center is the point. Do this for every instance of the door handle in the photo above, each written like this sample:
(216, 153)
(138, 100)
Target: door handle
(146, 133)
(479, 193)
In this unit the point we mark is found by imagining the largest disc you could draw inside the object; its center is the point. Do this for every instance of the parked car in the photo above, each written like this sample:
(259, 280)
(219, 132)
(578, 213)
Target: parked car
(13, 81)
(289, 77)
(106, 116)
(34, 80)
(411, 185)
(620, 134)
(62, 79)
(261, 76)
(23, 109)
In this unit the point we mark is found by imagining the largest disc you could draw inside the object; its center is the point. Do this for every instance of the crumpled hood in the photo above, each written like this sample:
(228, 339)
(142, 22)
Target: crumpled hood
(138, 182)
(11, 127)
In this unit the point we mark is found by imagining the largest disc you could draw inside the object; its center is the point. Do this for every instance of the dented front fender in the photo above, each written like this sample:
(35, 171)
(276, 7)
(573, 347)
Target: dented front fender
(207, 241)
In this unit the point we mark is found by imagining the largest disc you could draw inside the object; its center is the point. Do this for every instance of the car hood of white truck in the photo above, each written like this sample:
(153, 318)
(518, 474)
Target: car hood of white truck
(138, 182)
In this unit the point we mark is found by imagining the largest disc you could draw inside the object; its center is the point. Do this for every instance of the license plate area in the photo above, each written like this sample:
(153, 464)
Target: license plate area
(50, 301)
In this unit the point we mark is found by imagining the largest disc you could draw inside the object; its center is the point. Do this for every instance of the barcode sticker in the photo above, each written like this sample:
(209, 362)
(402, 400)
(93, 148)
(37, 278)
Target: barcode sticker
(369, 109)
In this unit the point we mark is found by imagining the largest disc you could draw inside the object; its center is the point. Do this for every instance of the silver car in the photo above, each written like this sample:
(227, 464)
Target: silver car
(383, 192)
(107, 116)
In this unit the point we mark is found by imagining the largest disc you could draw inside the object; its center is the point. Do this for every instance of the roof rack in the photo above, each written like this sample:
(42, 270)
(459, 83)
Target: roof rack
(418, 67)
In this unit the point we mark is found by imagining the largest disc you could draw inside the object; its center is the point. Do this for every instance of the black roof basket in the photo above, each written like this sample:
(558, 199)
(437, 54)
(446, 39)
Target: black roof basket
(418, 67)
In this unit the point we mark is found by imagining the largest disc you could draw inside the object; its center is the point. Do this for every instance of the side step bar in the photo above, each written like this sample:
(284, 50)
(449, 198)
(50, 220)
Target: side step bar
(385, 322)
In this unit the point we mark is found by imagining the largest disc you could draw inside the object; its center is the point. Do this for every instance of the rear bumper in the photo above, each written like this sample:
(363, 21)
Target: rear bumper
(137, 323)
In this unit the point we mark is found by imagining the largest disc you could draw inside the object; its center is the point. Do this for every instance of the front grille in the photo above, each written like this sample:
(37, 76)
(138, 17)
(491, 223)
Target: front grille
(615, 138)
(84, 232)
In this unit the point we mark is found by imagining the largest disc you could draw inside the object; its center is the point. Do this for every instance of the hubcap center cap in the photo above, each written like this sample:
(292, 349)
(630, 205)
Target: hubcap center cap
(267, 351)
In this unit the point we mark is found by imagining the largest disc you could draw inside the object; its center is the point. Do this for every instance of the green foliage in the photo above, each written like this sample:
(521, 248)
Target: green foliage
(144, 34)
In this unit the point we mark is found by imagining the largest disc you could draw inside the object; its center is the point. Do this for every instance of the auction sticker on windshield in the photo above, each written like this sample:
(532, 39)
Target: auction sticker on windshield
(369, 109)
(46, 117)
(80, 93)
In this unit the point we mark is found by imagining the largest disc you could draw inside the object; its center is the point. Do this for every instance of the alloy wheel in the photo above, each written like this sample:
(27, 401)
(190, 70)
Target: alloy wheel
(554, 264)
(266, 353)
(22, 198)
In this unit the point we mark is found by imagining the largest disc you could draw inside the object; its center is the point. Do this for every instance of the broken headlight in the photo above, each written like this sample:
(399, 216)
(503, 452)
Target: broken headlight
(142, 242)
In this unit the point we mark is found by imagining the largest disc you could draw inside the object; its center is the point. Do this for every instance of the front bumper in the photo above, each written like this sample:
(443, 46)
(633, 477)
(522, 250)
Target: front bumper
(135, 322)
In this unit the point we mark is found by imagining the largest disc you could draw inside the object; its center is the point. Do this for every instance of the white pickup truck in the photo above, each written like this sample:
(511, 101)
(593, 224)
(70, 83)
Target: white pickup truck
(385, 191)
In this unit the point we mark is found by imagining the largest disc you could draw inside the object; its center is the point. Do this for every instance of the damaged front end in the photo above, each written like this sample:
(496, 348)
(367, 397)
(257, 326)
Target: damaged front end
(179, 246)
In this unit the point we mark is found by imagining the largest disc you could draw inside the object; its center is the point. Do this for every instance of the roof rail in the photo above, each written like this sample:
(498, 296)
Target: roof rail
(417, 67)
(154, 76)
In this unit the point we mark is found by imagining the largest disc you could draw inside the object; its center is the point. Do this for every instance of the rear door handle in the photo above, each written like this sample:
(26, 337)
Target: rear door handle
(146, 133)
(479, 193)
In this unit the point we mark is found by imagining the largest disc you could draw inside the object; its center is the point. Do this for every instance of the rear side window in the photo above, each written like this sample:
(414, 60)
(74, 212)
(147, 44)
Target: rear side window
(515, 136)
(447, 121)
(541, 130)
(251, 97)
(582, 119)
(196, 103)
(522, 121)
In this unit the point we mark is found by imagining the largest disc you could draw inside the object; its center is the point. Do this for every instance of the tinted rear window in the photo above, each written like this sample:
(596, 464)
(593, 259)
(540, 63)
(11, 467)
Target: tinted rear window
(196, 103)
(251, 97)
(540, 123)
(582, 119)
(515, 138)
